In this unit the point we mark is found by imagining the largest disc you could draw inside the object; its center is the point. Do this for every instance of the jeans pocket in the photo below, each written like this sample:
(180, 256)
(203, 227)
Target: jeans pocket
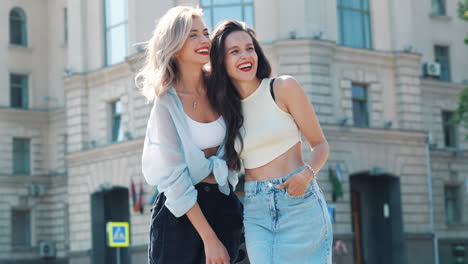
(158, 210)
(309, 192)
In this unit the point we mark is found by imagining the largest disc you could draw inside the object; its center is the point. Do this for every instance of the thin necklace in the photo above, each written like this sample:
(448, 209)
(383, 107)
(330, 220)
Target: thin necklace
(195, 98)
(195, 101)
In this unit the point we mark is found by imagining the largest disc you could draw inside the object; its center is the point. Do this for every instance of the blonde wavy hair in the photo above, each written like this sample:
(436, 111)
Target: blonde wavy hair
(160, 69)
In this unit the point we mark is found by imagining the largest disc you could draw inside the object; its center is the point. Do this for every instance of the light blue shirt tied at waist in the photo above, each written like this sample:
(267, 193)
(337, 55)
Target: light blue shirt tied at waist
(173, 163)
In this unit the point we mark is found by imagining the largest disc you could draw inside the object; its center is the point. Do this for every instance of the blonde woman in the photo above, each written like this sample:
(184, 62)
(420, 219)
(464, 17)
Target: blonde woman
(196, 218)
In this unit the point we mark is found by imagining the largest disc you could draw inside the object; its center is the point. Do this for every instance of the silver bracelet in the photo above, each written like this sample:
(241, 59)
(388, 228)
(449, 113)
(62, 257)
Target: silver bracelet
(311, 169)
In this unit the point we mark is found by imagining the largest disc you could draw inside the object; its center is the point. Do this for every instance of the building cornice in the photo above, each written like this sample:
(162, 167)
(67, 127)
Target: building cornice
(374, 57)
(93, 79)
(109, 74)
(28, 179)
(115, 150)
(370, 134)
(24, 115)
(288, 43)
(31, 116)
(442, 87)
(107, 152)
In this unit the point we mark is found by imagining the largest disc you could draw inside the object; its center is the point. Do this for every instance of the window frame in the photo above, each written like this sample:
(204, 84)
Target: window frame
(118, 136)
(108, 29)
(27, 228)
(65, 25)
(363, 12)
(24, 87)
(209, 8)
(25, 153)
(22, 20)
(457, 204)
(440, 7)
(361, 100)
(444, 58)
(447, 124)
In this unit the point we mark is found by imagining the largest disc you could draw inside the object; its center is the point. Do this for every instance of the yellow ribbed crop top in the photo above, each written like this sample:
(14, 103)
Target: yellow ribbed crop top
(268, 131)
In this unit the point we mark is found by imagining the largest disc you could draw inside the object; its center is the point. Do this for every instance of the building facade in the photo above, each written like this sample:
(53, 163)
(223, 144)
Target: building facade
(383, 77)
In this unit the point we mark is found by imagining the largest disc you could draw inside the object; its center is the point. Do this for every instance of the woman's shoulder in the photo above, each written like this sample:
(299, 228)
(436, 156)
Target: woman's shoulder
(166, 99)
(287, 88)
(165, 102)
(285, 81)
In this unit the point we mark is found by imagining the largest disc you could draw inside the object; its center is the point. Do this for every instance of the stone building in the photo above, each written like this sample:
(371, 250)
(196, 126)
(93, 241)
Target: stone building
(383, 77)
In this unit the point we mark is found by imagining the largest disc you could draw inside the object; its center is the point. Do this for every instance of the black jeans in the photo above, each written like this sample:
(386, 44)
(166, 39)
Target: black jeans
(175, 241)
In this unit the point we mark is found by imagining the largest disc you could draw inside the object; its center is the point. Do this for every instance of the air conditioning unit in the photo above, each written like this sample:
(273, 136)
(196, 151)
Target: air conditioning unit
(432, 69)
(47, 249)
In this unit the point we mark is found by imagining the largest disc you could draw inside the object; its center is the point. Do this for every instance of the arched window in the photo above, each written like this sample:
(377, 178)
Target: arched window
(18, 34)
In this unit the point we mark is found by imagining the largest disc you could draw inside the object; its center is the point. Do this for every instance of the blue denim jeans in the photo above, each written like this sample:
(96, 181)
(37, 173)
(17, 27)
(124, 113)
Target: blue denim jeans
(280, 228)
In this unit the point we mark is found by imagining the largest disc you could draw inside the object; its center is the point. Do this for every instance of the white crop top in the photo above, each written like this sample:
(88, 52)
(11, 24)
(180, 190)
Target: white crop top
(268, 131)
(207, 135)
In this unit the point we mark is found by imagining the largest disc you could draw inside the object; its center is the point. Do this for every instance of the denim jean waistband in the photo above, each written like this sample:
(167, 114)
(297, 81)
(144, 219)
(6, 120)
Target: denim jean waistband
(253, 187)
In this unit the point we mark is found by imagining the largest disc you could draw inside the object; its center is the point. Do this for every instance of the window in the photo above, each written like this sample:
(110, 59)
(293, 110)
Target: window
(116, 21)
(216, 11)
(18, 35)
(116, 119)
(21, 156)
(359, 98)
(438, 7)
(19, 91)
(452, 204)
(354, 23)
(449, 128)
(65, 25)
(21, 228)
(442, 56)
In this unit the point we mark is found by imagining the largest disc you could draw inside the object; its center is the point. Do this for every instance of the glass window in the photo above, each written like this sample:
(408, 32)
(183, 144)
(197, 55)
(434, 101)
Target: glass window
(117, 132)
(359, 99)
(216, 11)
(21, 228)
(116, 22)
(452, 204)
(18, 35)
(65, 25)
(438, 7)
(354, 23)
(449, 129)
(442, 56)
(21, 156)
(19, 91)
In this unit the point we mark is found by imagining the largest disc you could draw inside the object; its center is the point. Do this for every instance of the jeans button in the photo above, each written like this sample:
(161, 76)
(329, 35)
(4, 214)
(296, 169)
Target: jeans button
(207, 188)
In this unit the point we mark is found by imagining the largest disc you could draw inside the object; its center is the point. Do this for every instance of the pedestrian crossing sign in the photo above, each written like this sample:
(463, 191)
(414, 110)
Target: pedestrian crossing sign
(118, 234)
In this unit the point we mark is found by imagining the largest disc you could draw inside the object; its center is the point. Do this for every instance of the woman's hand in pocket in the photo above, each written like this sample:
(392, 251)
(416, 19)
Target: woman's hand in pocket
(298, 183)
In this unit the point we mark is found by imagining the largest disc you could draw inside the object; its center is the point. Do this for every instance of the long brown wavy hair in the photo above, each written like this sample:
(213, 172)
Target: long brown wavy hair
(222, 94)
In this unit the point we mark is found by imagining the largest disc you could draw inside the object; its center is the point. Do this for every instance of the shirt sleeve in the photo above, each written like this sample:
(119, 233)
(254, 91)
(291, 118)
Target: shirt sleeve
(163, 162)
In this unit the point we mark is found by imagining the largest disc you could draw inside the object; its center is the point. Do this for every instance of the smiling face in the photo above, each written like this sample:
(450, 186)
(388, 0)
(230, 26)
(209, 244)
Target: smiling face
(196, 49)
(241, 60)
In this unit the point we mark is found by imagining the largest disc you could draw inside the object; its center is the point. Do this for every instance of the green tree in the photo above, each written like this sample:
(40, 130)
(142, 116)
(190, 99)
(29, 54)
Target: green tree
(463, 13)
(461, 113)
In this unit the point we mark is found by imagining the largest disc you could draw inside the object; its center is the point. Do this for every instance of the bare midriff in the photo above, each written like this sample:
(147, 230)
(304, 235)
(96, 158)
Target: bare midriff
(279, 167)
(208, 153)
